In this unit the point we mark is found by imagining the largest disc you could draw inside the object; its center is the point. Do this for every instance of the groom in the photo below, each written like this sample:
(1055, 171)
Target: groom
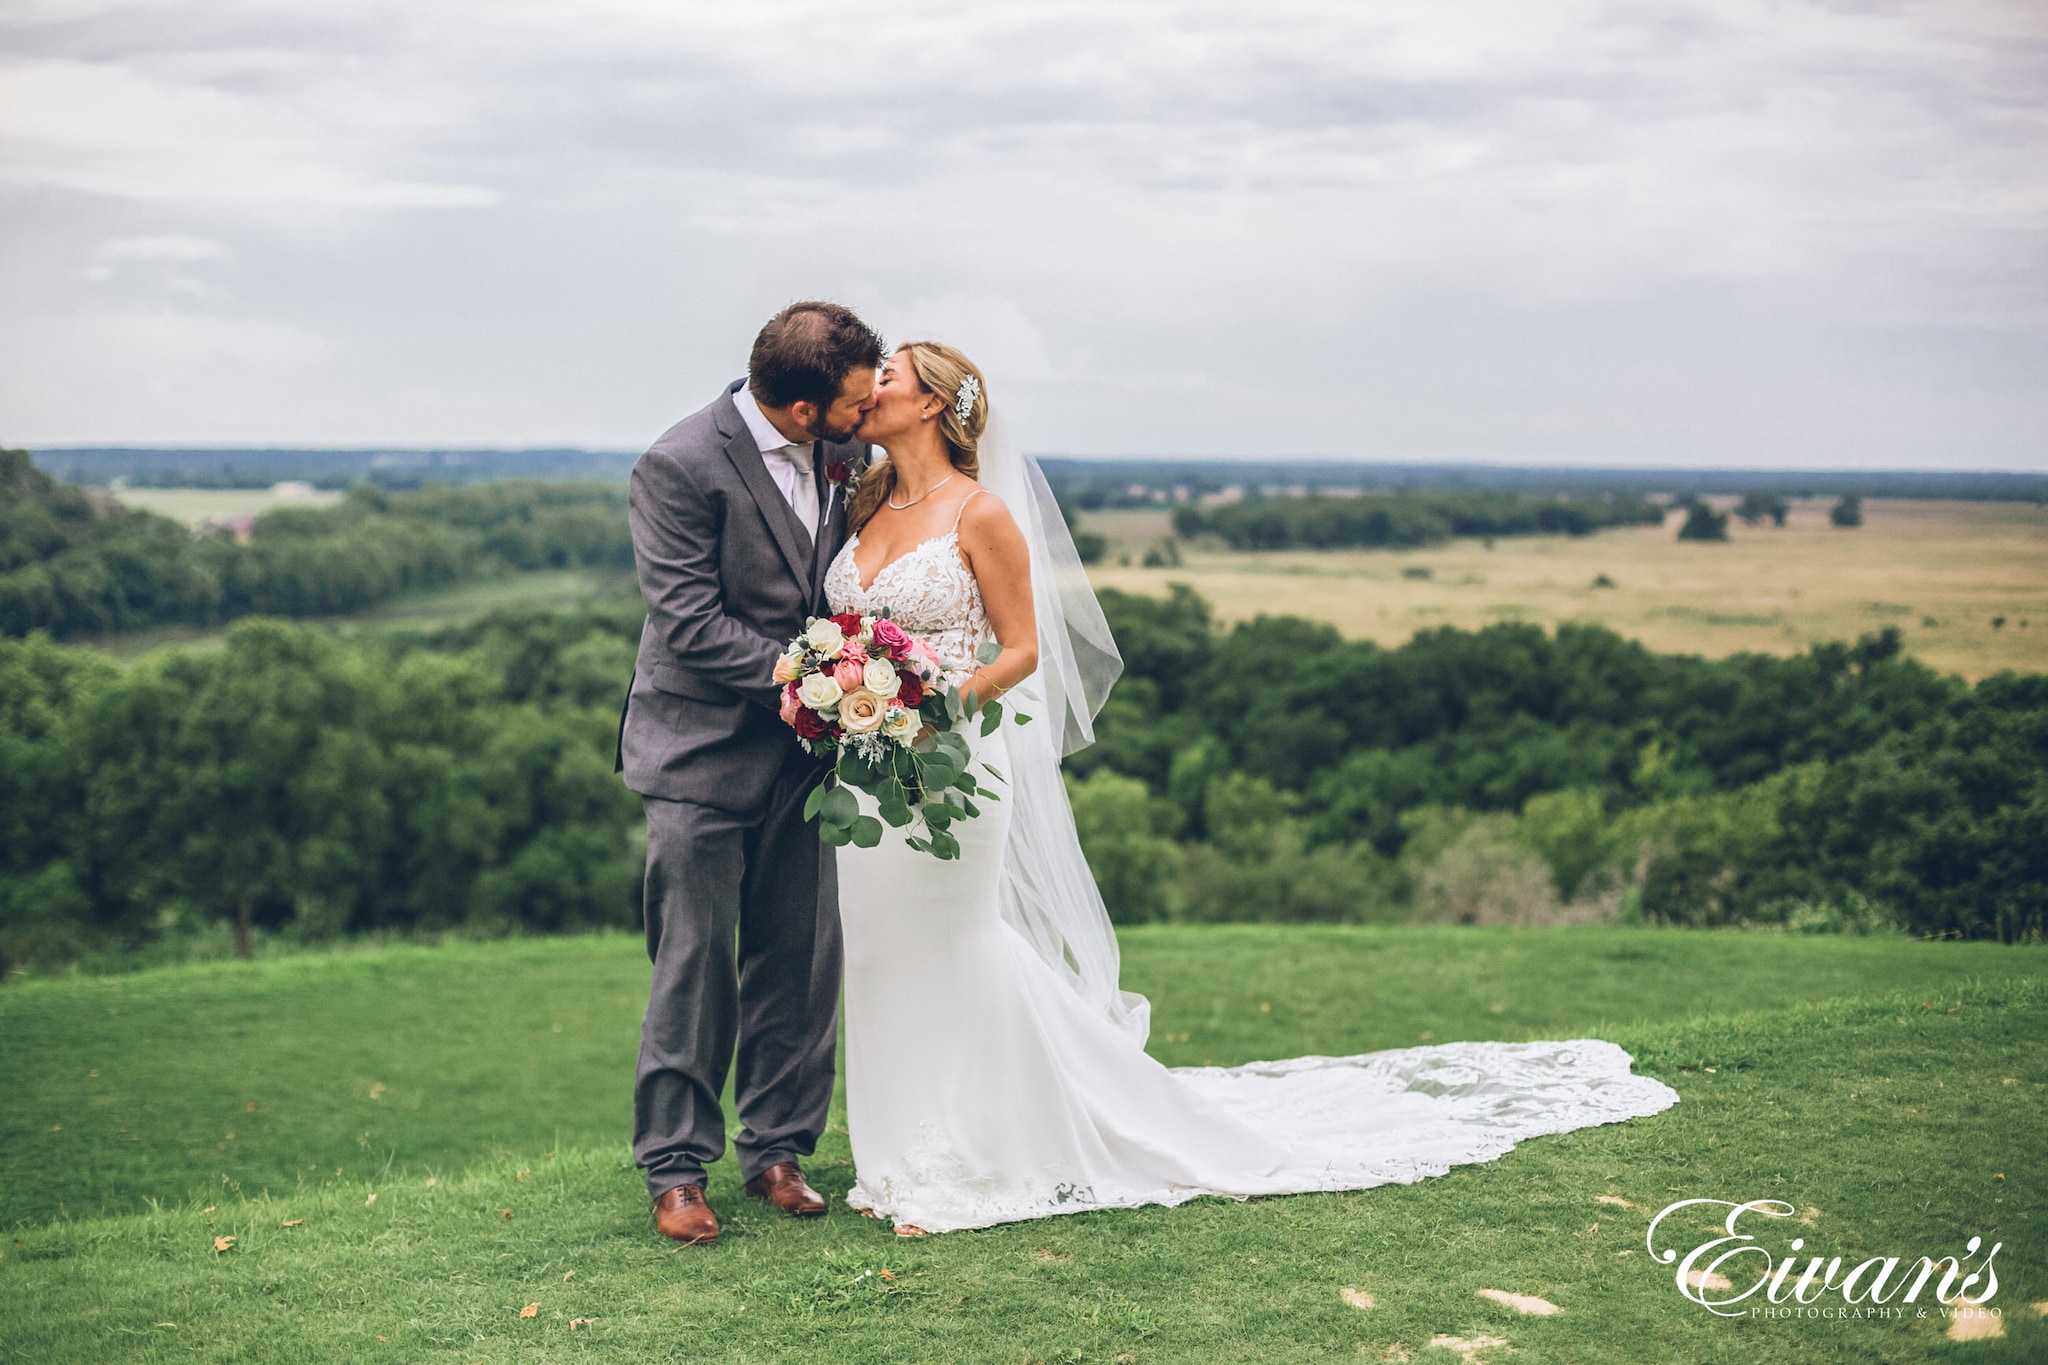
(734, 523)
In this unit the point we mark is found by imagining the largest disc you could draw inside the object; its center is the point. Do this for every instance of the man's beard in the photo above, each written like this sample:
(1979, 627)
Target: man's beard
(821, 429)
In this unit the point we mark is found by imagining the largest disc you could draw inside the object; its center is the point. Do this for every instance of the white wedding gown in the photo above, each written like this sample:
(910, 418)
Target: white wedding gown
(981, 1089)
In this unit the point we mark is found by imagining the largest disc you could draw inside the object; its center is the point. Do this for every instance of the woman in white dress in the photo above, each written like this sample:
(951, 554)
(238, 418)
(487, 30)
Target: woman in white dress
(995, 1069)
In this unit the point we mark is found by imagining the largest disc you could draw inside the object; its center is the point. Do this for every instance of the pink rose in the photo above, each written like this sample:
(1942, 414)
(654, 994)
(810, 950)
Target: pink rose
(787, 668)
(847, 674)
(790, 705)
(928, 666)
(890, 638)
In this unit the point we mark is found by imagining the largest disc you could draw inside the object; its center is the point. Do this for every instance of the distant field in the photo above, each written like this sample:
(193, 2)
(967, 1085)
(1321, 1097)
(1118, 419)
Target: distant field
(1940, 571)
(194, 505)
(541, 588)
(445, 606)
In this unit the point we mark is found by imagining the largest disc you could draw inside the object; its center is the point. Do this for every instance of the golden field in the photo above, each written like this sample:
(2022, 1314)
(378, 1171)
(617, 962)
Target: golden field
(1940, 571)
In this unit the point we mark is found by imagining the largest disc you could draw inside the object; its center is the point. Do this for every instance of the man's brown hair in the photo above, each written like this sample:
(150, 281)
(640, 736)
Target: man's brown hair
(806, 351)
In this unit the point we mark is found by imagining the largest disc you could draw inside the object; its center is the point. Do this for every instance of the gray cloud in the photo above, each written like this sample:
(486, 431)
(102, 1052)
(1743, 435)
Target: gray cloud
(1729, 232)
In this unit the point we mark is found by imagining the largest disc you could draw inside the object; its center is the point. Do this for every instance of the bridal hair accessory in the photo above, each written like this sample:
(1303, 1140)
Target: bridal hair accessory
(963, 405)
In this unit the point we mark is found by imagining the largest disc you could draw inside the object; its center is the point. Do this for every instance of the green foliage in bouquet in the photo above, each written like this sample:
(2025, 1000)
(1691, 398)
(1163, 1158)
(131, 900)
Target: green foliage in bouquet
(926, 784)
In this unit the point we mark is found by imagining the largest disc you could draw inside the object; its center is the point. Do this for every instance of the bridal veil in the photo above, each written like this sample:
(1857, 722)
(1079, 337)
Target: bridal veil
(1046, 891)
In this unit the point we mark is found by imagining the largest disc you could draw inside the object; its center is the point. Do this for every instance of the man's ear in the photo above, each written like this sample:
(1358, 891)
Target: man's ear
(804, 413)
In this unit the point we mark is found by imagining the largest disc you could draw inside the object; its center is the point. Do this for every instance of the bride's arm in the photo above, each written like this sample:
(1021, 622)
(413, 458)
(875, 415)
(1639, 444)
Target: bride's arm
(1001, 563)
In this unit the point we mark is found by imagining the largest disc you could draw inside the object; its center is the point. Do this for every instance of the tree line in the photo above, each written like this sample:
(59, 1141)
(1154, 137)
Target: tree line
(76, 562)
(297, 783)
(1320, 521)
(302, 784)
(1279, 771)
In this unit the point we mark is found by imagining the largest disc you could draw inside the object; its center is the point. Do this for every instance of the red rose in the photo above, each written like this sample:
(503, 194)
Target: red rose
(909, 689)
(848, 623)
(836, 471)
(811, 725)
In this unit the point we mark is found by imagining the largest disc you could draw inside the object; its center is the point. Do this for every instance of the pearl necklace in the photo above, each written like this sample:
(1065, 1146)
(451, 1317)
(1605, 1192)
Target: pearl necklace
(899, 506)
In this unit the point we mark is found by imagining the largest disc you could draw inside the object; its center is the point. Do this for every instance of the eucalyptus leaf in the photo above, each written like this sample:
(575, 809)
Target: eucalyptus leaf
(897, 813)
(867, 832)
(813, 801)
(839, 807)
(989, 652)
(995, 772)
(945, 845)
(835, 835)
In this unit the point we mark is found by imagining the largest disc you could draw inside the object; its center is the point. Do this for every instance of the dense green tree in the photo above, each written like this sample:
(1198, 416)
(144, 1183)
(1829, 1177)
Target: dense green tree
(1755, 508)
(1702, 522)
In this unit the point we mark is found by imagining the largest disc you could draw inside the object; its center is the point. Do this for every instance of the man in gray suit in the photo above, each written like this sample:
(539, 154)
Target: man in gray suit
(734, 522)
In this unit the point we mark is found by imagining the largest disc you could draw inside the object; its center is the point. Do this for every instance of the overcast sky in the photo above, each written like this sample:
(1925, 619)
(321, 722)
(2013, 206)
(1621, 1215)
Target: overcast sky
(1652, 231)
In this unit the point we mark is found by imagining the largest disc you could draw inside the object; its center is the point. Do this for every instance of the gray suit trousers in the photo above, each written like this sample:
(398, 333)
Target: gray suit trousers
(743, 929)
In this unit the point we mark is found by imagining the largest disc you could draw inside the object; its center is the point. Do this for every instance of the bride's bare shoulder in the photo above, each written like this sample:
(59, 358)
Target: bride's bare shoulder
(984, 513)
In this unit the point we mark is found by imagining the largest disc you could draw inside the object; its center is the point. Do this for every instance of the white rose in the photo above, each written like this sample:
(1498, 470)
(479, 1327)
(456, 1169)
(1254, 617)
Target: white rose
(879, 677)
(826, 637)
(861, 711)
(901, 724)
(818, 691)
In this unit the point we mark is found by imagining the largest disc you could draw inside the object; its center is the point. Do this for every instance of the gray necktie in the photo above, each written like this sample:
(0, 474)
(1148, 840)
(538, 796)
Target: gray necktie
(805, 501)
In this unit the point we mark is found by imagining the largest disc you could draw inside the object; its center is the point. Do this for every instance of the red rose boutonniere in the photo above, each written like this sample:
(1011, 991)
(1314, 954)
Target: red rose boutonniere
(844, 476)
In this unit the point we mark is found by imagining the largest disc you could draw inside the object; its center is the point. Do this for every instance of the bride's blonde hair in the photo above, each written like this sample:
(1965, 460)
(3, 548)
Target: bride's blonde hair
(942, 370)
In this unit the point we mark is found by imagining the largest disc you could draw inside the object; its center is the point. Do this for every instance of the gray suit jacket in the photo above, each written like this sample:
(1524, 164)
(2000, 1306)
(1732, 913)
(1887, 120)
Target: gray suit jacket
(729, 576)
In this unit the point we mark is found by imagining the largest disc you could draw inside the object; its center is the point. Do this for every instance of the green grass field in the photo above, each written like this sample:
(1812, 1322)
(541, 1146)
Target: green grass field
(361, 1123)
(194, 505)
(541, 588)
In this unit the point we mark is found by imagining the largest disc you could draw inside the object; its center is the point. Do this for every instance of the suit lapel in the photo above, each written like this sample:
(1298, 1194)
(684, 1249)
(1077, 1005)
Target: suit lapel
(775, 509)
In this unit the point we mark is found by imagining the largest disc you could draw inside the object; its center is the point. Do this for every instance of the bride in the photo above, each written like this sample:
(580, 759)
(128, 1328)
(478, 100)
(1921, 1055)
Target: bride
(995, 1070)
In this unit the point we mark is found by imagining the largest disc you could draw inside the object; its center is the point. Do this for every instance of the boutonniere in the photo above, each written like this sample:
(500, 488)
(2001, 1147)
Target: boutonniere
(841, 474)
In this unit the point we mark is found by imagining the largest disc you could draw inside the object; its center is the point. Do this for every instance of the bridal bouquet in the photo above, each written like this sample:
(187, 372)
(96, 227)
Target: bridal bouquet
(866, 690)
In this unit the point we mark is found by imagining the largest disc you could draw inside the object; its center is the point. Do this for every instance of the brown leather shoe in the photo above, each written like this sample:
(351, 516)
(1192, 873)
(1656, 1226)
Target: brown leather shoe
(783, 1186)
(683, 1214)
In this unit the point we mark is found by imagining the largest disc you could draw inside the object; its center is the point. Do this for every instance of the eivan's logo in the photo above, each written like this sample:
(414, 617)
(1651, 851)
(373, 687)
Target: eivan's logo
(1710, 1272)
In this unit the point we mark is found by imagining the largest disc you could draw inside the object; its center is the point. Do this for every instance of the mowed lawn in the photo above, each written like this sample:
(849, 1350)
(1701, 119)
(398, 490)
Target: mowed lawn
(409, 1146)
(1942, 572)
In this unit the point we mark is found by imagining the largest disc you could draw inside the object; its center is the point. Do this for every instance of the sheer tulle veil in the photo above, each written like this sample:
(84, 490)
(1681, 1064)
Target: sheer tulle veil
(1046, 891)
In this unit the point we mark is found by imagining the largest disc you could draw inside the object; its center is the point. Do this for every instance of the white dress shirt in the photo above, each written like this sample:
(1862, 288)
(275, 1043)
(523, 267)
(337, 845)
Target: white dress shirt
(790, 463)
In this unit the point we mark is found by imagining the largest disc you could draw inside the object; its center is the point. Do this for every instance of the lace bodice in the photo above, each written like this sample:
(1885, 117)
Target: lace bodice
(929, 591)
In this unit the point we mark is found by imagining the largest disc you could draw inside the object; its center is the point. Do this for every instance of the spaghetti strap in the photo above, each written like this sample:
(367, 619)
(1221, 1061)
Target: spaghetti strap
(962, 511)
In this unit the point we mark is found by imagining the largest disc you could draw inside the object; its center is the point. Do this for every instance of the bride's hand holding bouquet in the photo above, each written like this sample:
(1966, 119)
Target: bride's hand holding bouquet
(863, 689)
